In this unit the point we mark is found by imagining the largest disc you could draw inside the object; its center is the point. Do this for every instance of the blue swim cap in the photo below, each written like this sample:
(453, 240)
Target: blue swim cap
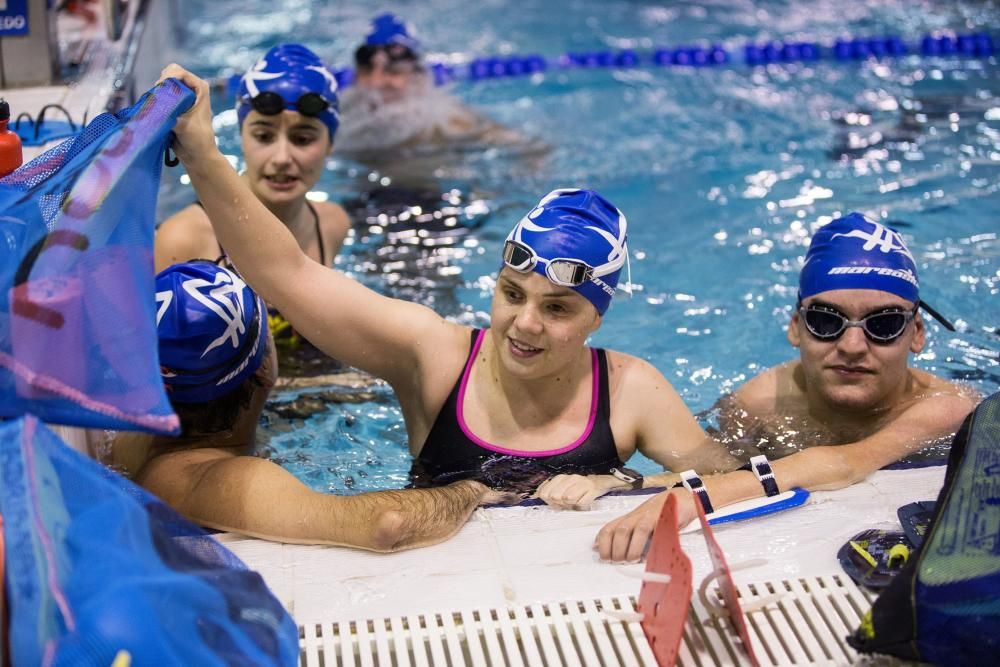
(387, 29)
(210, 328)
(575, 225)
(854, 252)
(291, 71)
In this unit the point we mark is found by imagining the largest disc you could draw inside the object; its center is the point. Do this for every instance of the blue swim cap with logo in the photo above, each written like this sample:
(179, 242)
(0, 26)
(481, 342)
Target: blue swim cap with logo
(388, 29)
(567, 228)
(290, 71)
(854, 252)
(210, 330)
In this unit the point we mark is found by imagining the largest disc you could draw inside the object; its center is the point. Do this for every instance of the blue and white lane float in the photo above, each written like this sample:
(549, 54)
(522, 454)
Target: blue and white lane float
(972, 45)
(977, 45)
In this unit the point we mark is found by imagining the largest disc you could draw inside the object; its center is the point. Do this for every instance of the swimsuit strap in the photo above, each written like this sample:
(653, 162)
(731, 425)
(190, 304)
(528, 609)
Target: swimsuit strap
(604, 390)
(319, 234)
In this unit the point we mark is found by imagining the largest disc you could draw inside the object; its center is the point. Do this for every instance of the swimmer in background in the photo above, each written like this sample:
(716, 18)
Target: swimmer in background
(393, 111)
(288, 114)
(218, 366)
(848, 406)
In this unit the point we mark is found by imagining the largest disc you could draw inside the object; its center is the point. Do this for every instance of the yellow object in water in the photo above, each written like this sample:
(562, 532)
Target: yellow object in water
(122, 659)
(281, 331)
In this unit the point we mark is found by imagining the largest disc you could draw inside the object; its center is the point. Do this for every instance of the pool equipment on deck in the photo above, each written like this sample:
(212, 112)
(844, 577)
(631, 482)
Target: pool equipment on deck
(943, 607)
(40, 130)
(755, 507)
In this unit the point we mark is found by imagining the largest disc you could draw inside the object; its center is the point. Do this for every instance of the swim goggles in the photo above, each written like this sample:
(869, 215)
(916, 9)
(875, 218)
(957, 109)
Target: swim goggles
(826, 323)
(561, 271)
(270, 103)
(396, 53)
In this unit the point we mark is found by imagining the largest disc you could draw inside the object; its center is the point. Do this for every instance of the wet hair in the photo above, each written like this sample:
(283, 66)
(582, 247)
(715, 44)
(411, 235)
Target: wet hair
(219, 414)
(395, 52)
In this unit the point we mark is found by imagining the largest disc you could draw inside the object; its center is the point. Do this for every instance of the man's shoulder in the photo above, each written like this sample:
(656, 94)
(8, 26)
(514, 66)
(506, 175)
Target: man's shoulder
(927, 386)
(760, 394)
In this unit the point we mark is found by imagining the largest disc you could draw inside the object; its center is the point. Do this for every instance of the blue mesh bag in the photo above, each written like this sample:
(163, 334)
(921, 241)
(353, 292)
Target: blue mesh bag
(77, 325)
(944, 606)
(97, 568)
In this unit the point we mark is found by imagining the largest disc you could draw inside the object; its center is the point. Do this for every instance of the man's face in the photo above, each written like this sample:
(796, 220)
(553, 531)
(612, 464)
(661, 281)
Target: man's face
(852, 372)
(392, 78)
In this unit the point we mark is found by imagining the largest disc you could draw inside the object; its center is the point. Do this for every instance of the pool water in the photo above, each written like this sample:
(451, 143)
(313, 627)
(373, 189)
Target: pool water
(723, 174)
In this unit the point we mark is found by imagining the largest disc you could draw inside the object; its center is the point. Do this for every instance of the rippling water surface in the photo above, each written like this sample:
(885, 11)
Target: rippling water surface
(723, 173)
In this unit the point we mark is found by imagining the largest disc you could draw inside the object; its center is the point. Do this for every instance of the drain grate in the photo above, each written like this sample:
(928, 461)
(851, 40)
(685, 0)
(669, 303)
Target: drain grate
(806, 626)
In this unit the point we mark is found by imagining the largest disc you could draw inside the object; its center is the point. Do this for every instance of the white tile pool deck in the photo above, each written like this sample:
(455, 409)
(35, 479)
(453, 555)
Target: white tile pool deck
(518, 556)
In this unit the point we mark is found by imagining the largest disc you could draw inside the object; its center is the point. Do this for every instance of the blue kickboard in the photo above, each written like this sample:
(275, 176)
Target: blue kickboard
(760, 507)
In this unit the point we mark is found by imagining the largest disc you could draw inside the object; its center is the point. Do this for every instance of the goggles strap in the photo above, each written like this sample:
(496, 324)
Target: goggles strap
(936, 315)
(628, 273)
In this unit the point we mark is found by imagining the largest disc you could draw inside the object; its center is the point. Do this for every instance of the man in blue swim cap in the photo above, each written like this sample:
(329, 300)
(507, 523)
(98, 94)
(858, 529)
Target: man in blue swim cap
(218, 366)
(850, 404)
(523, 400)
(389, 58)
(392, 107)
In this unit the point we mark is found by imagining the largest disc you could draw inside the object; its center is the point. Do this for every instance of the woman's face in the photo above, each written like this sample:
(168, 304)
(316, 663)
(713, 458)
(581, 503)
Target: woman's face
(285, 154)
(538, 327)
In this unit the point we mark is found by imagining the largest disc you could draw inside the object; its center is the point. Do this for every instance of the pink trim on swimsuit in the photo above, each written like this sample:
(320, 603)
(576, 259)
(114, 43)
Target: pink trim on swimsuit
(595, 379)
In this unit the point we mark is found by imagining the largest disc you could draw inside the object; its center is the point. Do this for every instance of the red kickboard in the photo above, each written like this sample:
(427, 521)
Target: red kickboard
(664, 606)
(730, 597)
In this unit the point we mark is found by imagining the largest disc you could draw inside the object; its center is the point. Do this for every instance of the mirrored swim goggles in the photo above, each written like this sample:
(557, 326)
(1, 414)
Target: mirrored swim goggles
(561, 271)
(883, 327)
(270, 103)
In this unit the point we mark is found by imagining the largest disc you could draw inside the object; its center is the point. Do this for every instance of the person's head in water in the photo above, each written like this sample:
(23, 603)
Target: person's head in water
(857, 319)
(389, 60)
(561, 265)
(213, 342)
(288, 112)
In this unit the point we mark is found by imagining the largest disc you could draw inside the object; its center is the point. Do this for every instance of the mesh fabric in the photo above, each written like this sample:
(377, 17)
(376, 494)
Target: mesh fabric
(77, 325)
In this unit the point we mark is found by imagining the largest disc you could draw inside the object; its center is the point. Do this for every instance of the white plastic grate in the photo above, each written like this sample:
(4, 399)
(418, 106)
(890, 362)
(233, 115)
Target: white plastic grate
(806, 626)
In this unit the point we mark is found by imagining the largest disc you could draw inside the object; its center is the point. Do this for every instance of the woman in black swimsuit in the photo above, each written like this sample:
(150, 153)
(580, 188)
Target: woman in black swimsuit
(530, 389)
